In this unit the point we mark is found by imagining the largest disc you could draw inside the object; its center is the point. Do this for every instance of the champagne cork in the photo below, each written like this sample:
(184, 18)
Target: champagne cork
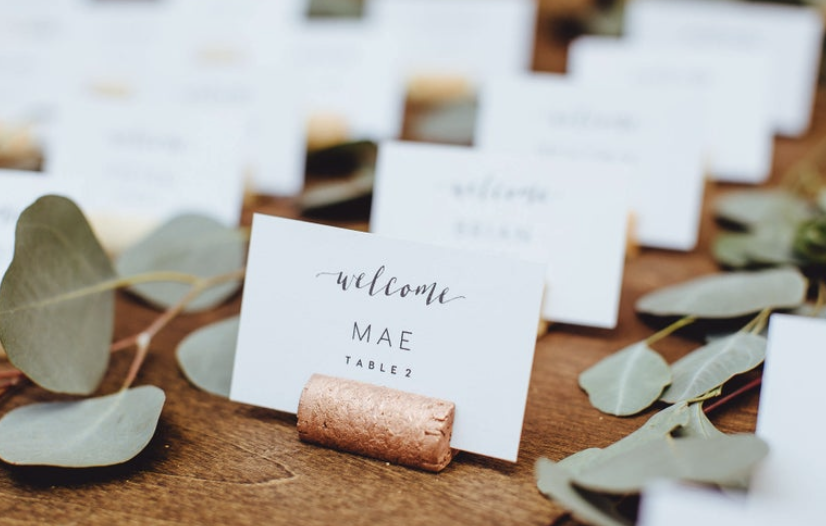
(378, 422)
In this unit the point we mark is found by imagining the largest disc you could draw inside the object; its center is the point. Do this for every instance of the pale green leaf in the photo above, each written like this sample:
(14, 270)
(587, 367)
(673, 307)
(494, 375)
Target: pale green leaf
(57, 304)
(728, 295)
(554, 481)
(714, 364)
(626, 382)
(655, 428)
(206, 356)
(92, 432)
(189, 244)
(698, 425)
(721, 460)
(749, 208)
(732, 249)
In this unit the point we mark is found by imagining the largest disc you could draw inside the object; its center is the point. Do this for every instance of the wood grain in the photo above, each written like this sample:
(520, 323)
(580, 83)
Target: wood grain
(213, 461)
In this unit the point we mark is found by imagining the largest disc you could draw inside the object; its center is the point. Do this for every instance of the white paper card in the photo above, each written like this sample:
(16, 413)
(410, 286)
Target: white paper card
(531, 207)
(733, 85)
(474, 38)
(656, 136)
(324, 300)
(18, 190)
(118, 49)
(149, 161)
(348, 69)
(790, 36)
(672, 504)
(794, 474)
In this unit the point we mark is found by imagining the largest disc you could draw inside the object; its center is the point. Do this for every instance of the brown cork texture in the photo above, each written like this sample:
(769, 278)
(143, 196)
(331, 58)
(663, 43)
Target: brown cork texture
(378, 422)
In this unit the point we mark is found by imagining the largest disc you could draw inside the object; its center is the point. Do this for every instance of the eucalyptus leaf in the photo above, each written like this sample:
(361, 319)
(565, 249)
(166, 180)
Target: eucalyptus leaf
(732, 249)
(749, 208)
(206, 356)
(190, 244)
(93, 432)
(659, 426)
(728, 295)
(554, 481)
(626, 382)
(721, 460)
(57, 302)
(712, 365)
(698, 425)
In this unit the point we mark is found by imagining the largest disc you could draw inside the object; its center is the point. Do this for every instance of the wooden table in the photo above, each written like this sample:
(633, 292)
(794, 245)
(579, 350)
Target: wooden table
(213, 461)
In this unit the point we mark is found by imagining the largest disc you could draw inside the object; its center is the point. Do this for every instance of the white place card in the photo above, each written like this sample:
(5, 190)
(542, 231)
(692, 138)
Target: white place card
(118, 49)
(349, 70)
(18, 190)
(656, 136)
(434, 321)
(734, 86)
(789, 36)
(474, 38)
(570, 215)
(794, 474)
(225, 56)
(149, 161)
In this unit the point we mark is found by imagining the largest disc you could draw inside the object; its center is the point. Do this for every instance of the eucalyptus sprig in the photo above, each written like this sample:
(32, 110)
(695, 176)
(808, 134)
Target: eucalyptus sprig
(57, 320)
(679, 442)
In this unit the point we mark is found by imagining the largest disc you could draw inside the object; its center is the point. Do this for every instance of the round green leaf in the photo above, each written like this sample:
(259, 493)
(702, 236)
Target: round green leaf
(207, 355)
(728, 295)
(626, 382)
(749, 208)
(554, 481)
(93, 432)
(721, 460)
(190, 244)
(714, 364)
(57, 304)
(698, 424)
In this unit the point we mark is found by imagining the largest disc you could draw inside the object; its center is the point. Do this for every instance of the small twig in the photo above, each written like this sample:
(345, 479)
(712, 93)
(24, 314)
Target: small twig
(734, 394)
(677, 325)
(143, 339)
(11, 373)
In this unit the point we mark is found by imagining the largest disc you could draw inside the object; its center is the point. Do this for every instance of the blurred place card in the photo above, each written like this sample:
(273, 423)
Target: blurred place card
(19, 189)
(224, 57)
(347, 71)
(794, 474)
(673, 504)
(734, 86)
(568, 214)
(146, 163)
(277, 137)
(656, 136)
(31, 35)
(118, 49)
(789, 36)
(471, 38)
(435, 321)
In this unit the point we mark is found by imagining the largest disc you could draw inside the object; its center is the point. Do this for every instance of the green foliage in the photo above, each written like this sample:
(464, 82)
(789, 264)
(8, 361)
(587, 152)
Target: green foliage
(721, 460)
(728, 295)
(714, 364)
(57, 304)
(94, 432)
(206, 356)
(628, 381)
(192, 245)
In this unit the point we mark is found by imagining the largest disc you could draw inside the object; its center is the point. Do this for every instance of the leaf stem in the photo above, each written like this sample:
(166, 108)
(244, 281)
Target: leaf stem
(734, 394)
(677, 325)
(758, 323)
(111, 284)
(143, 339)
